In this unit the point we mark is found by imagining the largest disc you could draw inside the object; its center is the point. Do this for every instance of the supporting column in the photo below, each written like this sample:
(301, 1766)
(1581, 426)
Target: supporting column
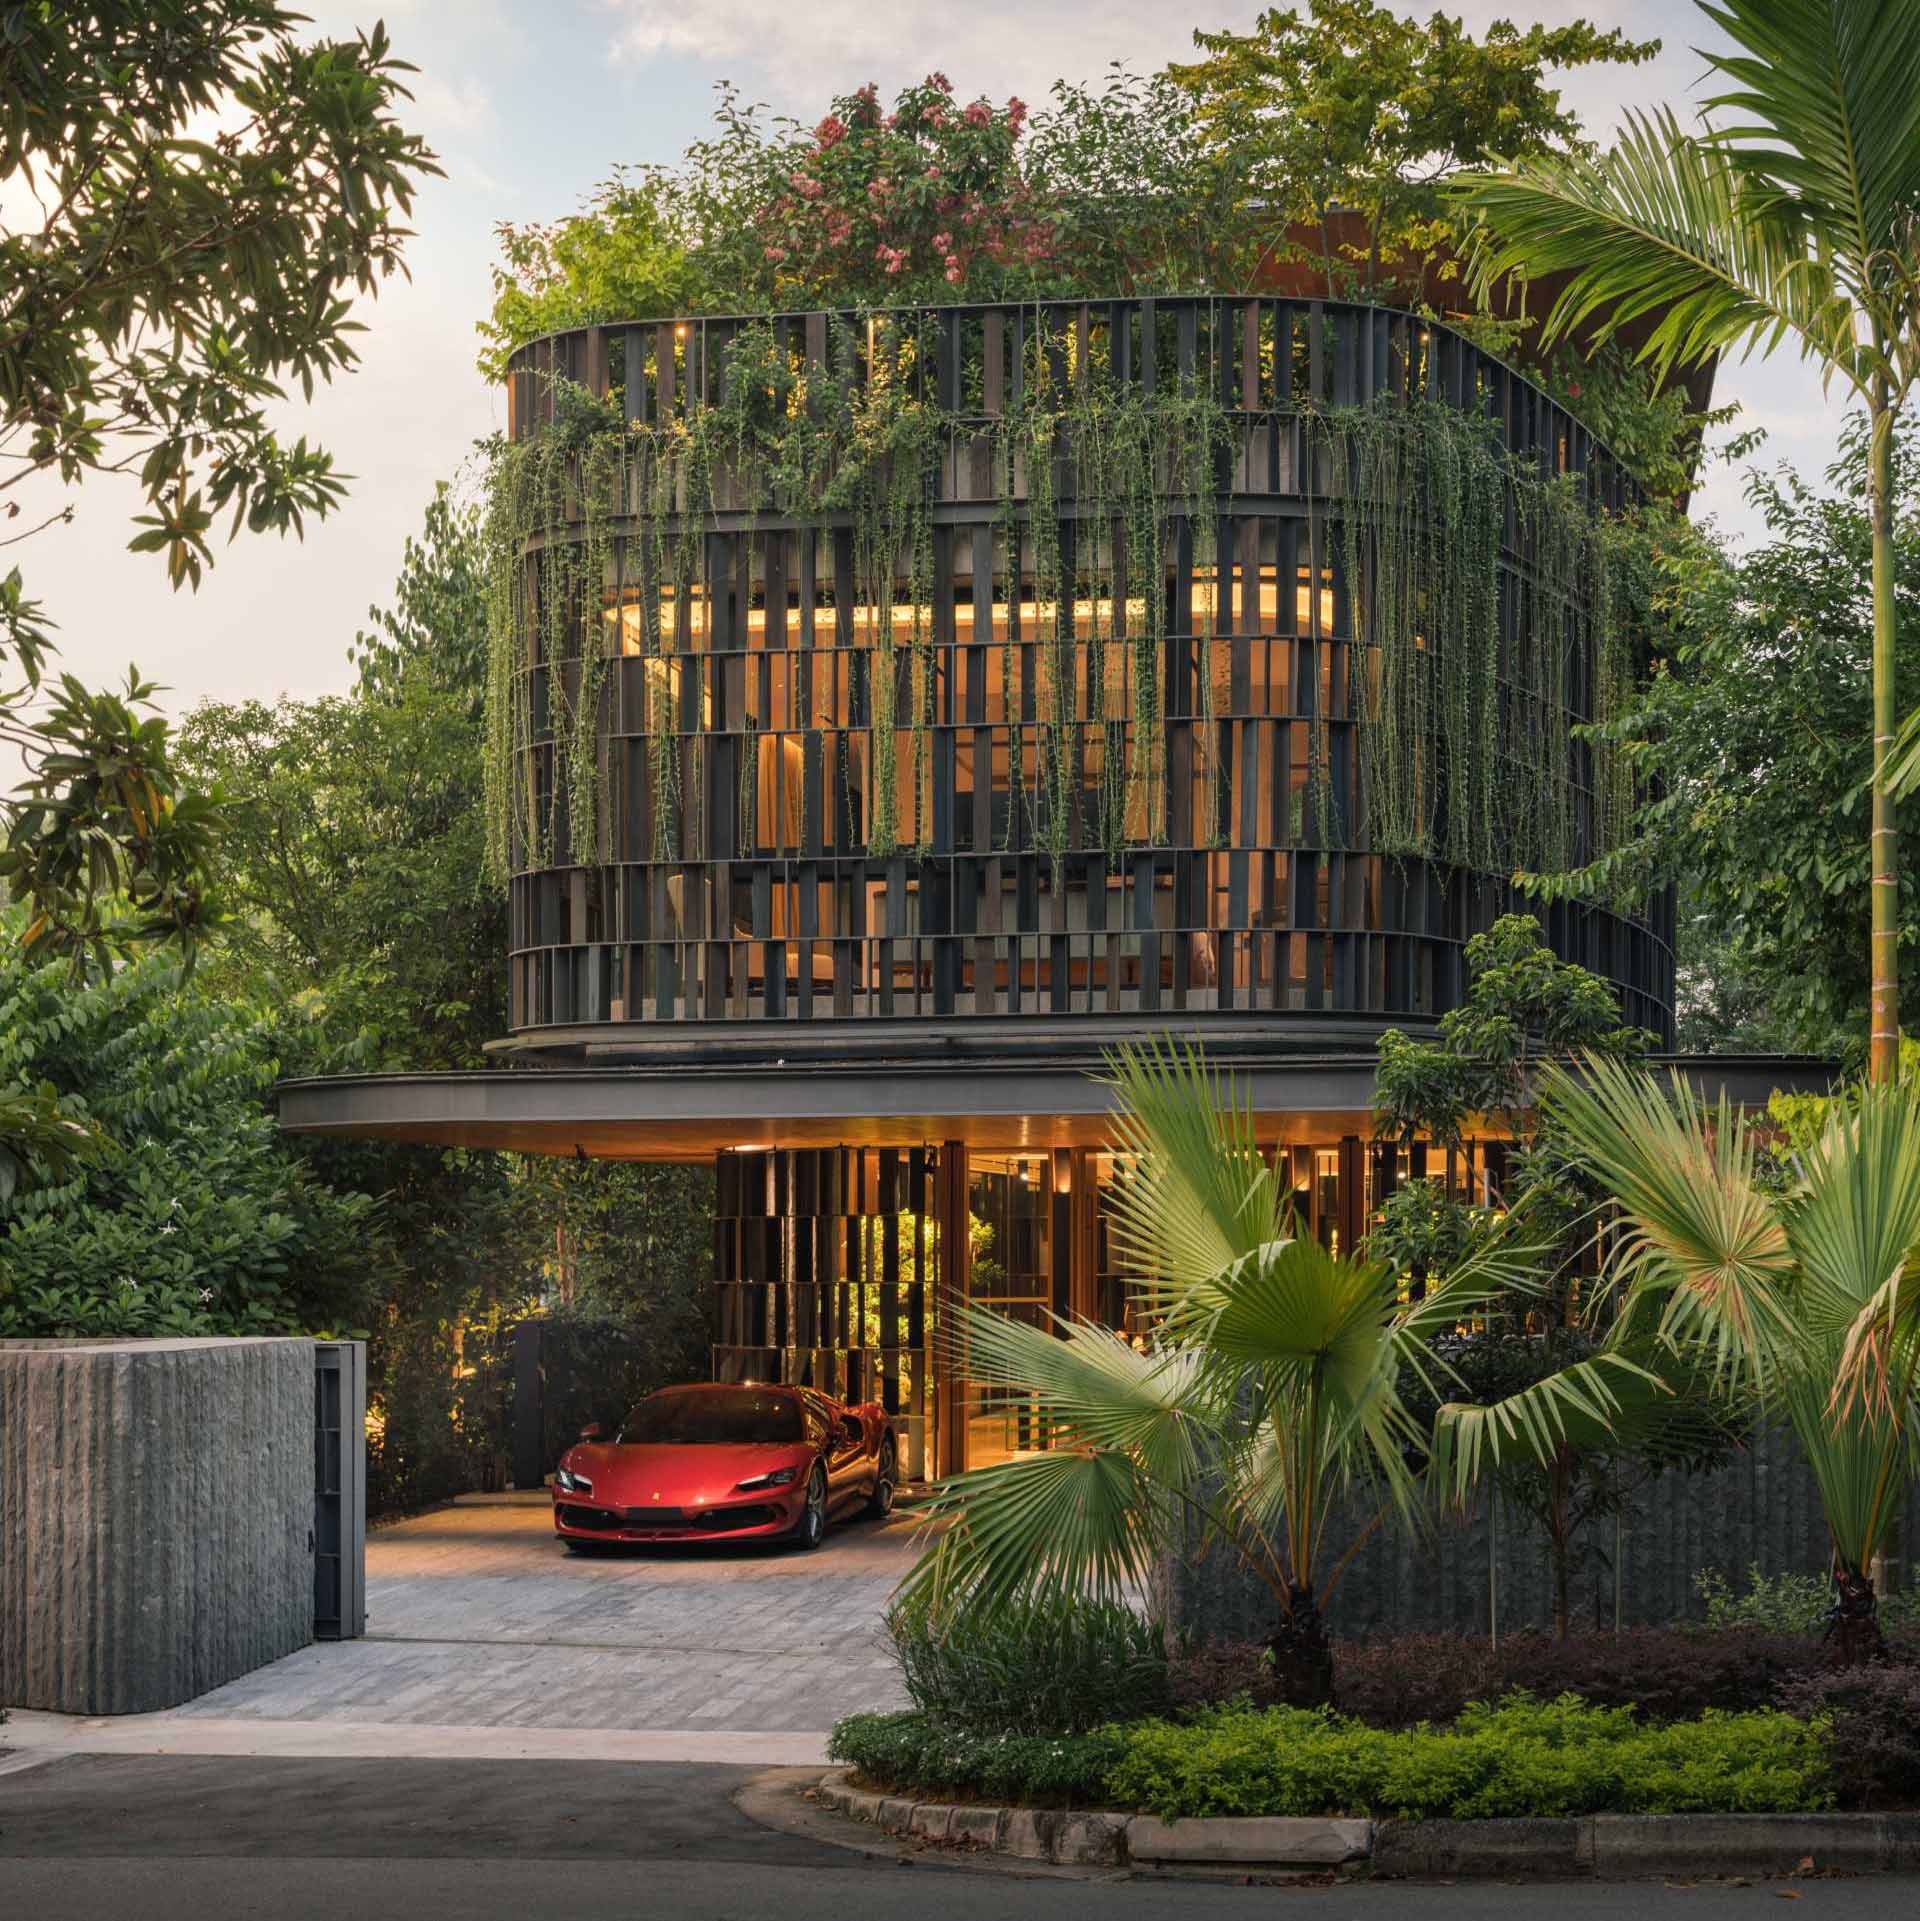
(1353, 1194)
(949, 1425)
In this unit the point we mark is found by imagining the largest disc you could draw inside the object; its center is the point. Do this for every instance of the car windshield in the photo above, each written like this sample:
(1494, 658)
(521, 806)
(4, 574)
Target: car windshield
(698, 1416)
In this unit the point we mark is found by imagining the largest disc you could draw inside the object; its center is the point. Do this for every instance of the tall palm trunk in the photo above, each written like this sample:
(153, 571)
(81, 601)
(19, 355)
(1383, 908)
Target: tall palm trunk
(1854, 1627)
(1302, 1654)
(1884, 1058)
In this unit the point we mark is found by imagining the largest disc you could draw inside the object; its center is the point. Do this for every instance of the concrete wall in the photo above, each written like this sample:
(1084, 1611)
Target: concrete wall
(1761, 1507)
(156, 1515)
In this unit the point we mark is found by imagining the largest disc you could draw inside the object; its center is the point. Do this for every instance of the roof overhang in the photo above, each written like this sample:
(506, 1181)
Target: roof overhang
(689, 1109)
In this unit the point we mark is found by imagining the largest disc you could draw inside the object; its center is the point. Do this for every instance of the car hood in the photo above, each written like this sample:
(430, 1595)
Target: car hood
(638, 1475)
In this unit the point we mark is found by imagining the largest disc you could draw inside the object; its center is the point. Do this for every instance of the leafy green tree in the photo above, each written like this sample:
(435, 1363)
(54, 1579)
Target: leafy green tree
(196, 199)
(193, 1215)
(353, 867)
(1525, 1008)
(627, 254)
(438, 619)
(1795, 219)
(1350, 107)
(1754, 737)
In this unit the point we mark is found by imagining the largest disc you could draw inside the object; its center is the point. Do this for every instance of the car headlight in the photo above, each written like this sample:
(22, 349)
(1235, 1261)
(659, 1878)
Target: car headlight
(573, 1483)
(780, 1477)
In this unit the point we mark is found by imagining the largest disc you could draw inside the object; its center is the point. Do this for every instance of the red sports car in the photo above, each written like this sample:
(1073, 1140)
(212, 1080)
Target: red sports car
(721, 1463)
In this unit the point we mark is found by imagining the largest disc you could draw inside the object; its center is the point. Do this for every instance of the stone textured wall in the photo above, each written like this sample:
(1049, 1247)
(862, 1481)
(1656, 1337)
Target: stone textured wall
(1760, 1508)
(156, 1514)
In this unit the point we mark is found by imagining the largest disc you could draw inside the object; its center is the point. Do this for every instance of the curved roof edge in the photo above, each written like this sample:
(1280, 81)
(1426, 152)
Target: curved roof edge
(671, 1109)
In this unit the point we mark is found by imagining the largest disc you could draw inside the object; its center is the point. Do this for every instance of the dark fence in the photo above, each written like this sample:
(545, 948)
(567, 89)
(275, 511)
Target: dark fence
(499, 1409)
(1491, 1571)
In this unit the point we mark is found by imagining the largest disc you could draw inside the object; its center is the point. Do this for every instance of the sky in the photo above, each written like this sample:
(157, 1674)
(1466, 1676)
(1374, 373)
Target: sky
(529, 103)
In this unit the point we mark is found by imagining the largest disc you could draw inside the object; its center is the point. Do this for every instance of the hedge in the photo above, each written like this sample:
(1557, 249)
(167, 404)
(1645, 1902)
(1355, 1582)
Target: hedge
(1524, 1757)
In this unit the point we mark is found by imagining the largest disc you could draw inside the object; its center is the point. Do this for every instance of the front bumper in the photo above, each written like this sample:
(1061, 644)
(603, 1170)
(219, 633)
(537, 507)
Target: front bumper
(583, 1518)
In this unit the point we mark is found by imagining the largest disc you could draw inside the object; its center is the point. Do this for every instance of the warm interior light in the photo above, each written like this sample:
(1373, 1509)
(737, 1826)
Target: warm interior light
(1088, 614)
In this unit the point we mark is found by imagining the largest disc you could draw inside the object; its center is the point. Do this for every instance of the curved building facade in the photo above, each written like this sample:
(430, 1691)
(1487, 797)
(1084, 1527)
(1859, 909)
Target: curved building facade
(948, 746)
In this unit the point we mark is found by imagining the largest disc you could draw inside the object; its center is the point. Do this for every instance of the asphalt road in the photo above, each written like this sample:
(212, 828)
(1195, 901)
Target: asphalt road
(184, 1838)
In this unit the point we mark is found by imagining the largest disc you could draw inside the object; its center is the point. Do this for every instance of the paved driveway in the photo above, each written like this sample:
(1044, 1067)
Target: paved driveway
(476, 1617)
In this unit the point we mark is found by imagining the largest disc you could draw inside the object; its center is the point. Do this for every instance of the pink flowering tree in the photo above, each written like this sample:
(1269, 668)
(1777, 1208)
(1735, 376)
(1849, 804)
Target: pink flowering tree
(926, 202)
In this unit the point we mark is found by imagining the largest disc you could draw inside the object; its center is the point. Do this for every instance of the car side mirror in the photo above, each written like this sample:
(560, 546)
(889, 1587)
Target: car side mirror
(591, 1432)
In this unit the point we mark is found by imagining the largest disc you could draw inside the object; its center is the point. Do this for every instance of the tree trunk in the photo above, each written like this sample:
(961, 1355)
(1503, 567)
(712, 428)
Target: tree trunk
(1884, 1058)
(1302, 1654)
(1854, 1628)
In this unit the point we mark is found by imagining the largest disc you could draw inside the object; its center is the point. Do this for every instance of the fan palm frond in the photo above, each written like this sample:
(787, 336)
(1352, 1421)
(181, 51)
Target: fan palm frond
(1583, 1405)
(1193, 1196)
(1698, 1241)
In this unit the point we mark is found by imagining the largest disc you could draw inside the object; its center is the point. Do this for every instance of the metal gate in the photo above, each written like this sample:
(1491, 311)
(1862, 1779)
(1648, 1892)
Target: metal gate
(339, 1490)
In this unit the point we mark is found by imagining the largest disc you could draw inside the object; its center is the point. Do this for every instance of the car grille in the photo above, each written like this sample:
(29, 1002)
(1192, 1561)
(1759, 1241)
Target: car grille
(696, 1520)
(701, 1520)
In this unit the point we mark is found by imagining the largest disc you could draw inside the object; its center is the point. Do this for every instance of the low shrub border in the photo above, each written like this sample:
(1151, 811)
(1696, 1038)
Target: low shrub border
(1522, 1758)
(1616, 1846)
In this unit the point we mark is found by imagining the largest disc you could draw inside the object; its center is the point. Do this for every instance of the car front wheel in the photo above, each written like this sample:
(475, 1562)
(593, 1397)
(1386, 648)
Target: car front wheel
(880, 1501)
(811, 1528)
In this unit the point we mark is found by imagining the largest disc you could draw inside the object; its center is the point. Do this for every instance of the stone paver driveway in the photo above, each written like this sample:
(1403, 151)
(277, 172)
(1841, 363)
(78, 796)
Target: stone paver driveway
(476, 1617)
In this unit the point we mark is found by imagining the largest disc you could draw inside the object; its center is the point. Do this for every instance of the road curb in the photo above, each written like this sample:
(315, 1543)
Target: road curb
(1617, 1847)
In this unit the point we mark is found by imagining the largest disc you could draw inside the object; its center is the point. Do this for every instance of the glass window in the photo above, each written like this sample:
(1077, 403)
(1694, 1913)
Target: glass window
(715, 1416)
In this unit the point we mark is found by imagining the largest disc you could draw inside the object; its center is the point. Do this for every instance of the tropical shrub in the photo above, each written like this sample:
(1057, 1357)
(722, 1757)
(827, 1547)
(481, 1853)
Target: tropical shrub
(197, 1217)
(1666, 1674)
(1872, 1715)
(1783, 1603)
(1054, 1664)
(1525, 1757)
(911, 1750)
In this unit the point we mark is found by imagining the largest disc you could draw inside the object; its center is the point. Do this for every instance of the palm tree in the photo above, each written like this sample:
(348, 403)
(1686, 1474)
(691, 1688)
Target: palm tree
(1793, 1297)
(1799, 219)
(1270, 1387)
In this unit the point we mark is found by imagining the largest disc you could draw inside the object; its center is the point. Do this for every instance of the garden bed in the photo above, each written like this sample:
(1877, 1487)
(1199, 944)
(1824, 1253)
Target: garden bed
(1523, 1758)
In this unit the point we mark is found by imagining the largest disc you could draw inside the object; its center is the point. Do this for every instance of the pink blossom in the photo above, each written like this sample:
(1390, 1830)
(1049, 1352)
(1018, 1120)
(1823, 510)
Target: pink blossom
(1016, 113)
(776, 254)
(806, 186)
(898, 261)
(939, 83)
(831, 131)
(933, 174)
(943, 243)
(936, 119)
(978, 114)
(953, 272)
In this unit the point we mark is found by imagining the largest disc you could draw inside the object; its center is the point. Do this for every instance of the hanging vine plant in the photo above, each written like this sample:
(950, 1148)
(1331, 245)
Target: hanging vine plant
(1467, 702)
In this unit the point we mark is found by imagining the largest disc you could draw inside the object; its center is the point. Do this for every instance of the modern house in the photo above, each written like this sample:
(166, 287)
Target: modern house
(892, 713)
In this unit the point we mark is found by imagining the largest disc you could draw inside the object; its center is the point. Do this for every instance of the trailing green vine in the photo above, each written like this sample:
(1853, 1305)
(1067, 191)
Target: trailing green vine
(1468, 742)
